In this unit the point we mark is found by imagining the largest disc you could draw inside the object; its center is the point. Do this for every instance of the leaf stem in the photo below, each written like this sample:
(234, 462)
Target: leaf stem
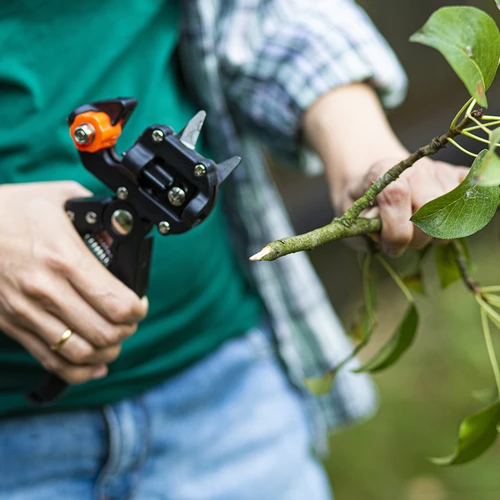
(471, 107)
(490, 124)
(461, 148)
(494, 316)
(460, 113)
(462, 263)
(493, 299)
(489, 344)
(493, 288)
(475, 137)
(366, 287)
(483, 127)
(394, 275)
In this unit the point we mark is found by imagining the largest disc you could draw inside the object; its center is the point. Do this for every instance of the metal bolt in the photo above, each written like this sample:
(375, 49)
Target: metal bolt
(122, 193)
(84, 133)
(71, 215)
(164, 227)
(200, 170)
(176, 196)
(157, 135)
(91, 217)
(122, 221)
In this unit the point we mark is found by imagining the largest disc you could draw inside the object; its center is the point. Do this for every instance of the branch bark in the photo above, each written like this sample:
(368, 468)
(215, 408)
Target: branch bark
(350, 224)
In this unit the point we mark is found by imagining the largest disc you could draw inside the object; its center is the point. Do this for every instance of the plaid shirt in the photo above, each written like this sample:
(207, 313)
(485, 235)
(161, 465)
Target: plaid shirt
(255, 66)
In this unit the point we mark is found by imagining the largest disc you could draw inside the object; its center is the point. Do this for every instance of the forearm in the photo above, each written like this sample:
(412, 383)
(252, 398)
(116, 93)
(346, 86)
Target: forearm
(350, 132)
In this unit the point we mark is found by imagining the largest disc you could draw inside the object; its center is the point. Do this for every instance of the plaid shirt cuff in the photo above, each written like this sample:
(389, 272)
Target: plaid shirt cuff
(319, 46)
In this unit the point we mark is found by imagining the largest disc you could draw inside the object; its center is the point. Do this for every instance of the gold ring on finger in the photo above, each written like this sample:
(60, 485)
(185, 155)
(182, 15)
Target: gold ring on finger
(65, 336)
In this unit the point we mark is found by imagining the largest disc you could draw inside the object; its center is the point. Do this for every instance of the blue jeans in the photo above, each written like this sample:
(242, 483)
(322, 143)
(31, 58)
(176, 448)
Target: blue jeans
(228, 428)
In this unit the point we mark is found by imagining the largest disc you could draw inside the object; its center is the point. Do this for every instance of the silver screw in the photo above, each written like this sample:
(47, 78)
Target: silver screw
(91, 217)
(122, 221)
(71, 215)
(200, 170)
(176, 196)
(84, 133)
(122, 193)
(164, 227)
(157, 135)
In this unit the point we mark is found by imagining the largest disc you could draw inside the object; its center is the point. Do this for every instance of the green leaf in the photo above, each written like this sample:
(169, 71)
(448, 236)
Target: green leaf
(477, 433)
(461, 212)
(489, 174)
(362, 331)
(447, 268)
(321, 385)
(397, 345)
(470, 41)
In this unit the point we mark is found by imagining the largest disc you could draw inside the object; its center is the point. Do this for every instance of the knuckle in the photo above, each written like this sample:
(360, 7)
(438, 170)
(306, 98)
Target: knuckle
(14, 306)
(56, 261)
(36, 284)
(100, 338)
(112, 354)
(80, 354)
(51, 364)
(398, 238)
(396, 192)
(122, 311)
(111, 335)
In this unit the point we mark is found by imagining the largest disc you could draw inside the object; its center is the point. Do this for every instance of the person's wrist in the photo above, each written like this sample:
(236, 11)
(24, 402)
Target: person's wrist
(348, 129)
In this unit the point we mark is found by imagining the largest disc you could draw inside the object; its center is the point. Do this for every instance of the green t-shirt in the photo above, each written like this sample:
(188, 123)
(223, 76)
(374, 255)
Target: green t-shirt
(54, 57)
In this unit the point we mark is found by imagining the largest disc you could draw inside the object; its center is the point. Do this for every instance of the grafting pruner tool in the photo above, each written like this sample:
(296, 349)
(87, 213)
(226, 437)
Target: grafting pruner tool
(160, 181)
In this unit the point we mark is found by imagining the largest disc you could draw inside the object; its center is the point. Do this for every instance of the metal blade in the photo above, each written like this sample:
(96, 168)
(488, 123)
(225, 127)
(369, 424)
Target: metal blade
(190, 133)
(225, 168)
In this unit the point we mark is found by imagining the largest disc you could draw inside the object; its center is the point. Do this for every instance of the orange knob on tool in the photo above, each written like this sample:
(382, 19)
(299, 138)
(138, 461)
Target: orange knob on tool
(92, 131)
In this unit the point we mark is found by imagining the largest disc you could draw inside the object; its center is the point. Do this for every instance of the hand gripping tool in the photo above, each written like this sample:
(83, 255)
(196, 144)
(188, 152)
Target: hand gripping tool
(160, 181)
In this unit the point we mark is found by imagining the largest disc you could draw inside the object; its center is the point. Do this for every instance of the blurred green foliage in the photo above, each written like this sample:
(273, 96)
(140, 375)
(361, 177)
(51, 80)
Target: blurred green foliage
(426, 395)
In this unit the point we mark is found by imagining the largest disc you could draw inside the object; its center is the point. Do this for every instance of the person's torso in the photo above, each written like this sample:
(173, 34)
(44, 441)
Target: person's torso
(54, 57)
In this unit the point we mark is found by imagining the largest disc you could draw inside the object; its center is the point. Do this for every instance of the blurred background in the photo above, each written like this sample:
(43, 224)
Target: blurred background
(426, 395)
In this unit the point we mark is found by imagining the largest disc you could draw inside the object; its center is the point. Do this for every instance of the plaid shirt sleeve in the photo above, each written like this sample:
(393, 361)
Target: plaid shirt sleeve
(278, 56)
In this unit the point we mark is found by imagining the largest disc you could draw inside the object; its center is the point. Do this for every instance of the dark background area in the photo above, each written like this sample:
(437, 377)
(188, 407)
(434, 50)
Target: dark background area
(424, 397)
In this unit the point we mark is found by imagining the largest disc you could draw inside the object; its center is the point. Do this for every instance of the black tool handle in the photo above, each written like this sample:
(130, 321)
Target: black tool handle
(136, 278)
(51, 389)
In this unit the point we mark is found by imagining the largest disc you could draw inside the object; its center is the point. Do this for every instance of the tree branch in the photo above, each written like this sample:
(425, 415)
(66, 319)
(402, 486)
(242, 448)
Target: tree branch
(350, 224)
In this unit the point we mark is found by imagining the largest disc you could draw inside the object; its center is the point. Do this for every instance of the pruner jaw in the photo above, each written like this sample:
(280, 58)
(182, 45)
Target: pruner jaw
(190, 133)
(225, 168)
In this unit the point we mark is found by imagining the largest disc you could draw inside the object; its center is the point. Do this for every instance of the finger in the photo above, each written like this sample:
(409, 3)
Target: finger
(395, 210)
(106, 294)
(424, 188)
(89, 323)
(450, 177)
(420, 239)
(76, 349)
(53, 363)
(57, 296)
(70, 189)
